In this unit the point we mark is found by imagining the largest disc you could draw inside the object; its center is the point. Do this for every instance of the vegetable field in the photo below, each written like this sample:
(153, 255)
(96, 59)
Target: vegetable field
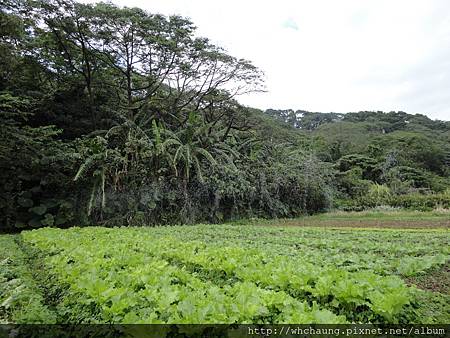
(221, 274)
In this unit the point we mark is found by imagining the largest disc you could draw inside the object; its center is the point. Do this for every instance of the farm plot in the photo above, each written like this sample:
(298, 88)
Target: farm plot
(228, 274)
(384, 251)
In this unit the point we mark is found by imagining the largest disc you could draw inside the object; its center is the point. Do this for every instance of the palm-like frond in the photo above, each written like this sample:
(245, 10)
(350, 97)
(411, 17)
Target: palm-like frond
(92, 198)
(102, 180)
(198, 169)
(88, 164)
(207, 155)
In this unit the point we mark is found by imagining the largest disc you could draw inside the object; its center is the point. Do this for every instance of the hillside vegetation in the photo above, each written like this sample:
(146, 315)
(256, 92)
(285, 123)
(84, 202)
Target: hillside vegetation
(394, 158)
(116, 116)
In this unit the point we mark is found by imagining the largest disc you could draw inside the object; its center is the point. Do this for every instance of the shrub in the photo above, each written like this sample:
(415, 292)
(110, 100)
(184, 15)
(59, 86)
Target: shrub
(422, 202)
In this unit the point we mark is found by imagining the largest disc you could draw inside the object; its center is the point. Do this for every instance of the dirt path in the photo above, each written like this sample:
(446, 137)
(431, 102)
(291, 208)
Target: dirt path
(366, 223)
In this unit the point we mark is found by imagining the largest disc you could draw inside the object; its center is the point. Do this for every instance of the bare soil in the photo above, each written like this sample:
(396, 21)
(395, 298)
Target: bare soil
(437, 280)
(365, 223)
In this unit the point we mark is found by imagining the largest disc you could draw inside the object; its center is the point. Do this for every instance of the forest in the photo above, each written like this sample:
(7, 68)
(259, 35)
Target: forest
(116, 116)
(392, 159)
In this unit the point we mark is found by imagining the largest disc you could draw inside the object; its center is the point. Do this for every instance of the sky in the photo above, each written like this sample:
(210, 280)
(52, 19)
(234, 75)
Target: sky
(332, 56)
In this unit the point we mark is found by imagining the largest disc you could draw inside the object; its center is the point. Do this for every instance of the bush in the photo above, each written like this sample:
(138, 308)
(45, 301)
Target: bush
(422, 202)
(380, 195)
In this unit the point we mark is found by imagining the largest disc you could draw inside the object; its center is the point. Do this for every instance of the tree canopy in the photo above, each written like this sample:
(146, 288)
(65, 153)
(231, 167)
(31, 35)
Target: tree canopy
(113, 115)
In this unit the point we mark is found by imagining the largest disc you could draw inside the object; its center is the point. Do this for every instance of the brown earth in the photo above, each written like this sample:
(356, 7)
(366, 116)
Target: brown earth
(437, 280)
(364, 223)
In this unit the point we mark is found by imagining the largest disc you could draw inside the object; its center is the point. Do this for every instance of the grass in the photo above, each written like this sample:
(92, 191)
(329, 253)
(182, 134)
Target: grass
(441, 214)
(365, 219)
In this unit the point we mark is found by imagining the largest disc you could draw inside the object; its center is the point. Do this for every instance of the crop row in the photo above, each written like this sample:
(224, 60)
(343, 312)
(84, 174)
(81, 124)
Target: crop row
(21, 299)
(359, 295)
(113, 279)
(97, 260)
(383, 252)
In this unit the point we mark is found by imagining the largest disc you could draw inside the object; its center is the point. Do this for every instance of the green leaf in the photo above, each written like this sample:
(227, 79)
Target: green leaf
(39, 210)
(35, 223)
(25, 202)
(48, 220)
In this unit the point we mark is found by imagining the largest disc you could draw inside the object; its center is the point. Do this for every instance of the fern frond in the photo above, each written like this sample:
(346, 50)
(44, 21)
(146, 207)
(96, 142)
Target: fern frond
(86, 166)
(103, 188)
(170, 142)
(188, 161)
(156, 133)
(198, 169)
(92, 198)
(178, 154)
(97, 133)
(206, 155)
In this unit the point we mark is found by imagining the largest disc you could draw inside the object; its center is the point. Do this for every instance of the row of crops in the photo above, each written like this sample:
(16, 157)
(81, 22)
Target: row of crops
(387, 251)
(21, 299)
(234, 274)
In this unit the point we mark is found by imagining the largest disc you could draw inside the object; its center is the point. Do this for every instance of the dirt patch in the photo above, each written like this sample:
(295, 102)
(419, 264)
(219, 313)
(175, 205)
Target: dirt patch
(437, 280)
(364, 223)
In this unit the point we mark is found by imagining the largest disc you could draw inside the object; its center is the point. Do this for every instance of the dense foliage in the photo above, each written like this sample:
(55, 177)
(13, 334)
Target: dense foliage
(117, 116)
(394, 158)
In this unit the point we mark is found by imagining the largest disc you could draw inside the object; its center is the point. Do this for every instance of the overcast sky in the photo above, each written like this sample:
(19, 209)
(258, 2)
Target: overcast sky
(328, 55)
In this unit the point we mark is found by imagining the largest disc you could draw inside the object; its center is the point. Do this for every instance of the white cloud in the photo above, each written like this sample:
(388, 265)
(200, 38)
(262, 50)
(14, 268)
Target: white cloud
(341, 56)
(290, 24)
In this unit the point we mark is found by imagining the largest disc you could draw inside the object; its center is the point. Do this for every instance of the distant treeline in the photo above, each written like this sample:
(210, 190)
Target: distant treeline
(380, 121)
(393, 158)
